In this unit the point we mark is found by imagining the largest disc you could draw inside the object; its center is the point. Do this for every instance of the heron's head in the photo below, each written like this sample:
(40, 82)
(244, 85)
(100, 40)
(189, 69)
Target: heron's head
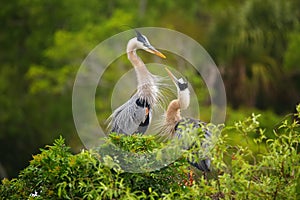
(143, 43)
(183, 92)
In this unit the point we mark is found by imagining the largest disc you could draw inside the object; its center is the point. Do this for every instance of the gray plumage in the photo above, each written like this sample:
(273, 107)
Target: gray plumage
(131, 118)
(204, 163)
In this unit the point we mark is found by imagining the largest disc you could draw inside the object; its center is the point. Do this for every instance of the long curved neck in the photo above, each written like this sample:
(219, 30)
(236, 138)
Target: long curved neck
(173, 112)
(143, 75)
(146, 88)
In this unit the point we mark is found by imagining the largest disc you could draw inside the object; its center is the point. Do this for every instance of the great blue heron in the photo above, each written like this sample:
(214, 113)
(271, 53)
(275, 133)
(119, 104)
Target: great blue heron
(135, 115)
(173, 121)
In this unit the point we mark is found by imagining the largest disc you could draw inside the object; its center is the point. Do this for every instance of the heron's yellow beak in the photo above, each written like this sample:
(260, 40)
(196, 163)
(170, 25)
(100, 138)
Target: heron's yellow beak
(159, 54)
(156, 52)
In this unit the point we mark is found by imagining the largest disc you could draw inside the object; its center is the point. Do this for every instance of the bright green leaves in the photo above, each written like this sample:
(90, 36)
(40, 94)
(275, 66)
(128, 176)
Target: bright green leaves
(237, 171)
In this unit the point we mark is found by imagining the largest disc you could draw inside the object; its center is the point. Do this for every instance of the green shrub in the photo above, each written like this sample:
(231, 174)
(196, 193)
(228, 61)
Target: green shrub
(272, 172)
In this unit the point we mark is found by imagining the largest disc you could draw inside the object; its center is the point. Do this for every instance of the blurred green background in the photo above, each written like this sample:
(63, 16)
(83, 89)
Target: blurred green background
(255, 44)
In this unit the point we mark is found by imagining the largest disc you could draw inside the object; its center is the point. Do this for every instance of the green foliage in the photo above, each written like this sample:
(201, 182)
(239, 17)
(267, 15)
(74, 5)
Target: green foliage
(134, 143)
(248, 40)
(55, 173)
(291, 59)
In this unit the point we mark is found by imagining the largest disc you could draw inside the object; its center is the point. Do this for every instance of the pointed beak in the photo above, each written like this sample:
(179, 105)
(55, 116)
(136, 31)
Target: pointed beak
(173, 78)
(156, 52)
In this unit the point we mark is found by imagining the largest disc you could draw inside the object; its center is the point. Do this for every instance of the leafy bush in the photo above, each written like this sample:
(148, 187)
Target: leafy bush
(272, 172)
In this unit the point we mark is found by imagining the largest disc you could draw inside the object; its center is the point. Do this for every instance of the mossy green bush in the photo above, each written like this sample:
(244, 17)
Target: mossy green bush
(272, 172)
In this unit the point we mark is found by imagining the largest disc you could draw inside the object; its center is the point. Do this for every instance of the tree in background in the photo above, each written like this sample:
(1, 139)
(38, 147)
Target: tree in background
(249, 41)
(44, 42)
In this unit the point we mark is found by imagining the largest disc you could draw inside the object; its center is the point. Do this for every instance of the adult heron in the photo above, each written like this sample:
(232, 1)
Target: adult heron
(134, 116)
(173, 122)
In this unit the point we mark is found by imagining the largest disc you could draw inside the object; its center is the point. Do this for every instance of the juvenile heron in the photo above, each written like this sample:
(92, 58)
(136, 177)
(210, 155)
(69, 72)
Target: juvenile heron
(135, 115)
(173, 121)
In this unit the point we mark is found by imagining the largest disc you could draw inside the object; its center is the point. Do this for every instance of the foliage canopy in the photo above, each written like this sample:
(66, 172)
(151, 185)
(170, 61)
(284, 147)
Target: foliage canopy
(237, 172)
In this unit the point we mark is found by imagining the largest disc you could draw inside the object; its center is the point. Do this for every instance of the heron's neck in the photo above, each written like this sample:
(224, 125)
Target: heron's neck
(184, 99)
(142, 73)
(173, 112)
(145, 79)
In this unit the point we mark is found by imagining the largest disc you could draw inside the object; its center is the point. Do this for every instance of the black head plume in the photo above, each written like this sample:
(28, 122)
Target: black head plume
(182, 86)
(138, 34)
(142, 38)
